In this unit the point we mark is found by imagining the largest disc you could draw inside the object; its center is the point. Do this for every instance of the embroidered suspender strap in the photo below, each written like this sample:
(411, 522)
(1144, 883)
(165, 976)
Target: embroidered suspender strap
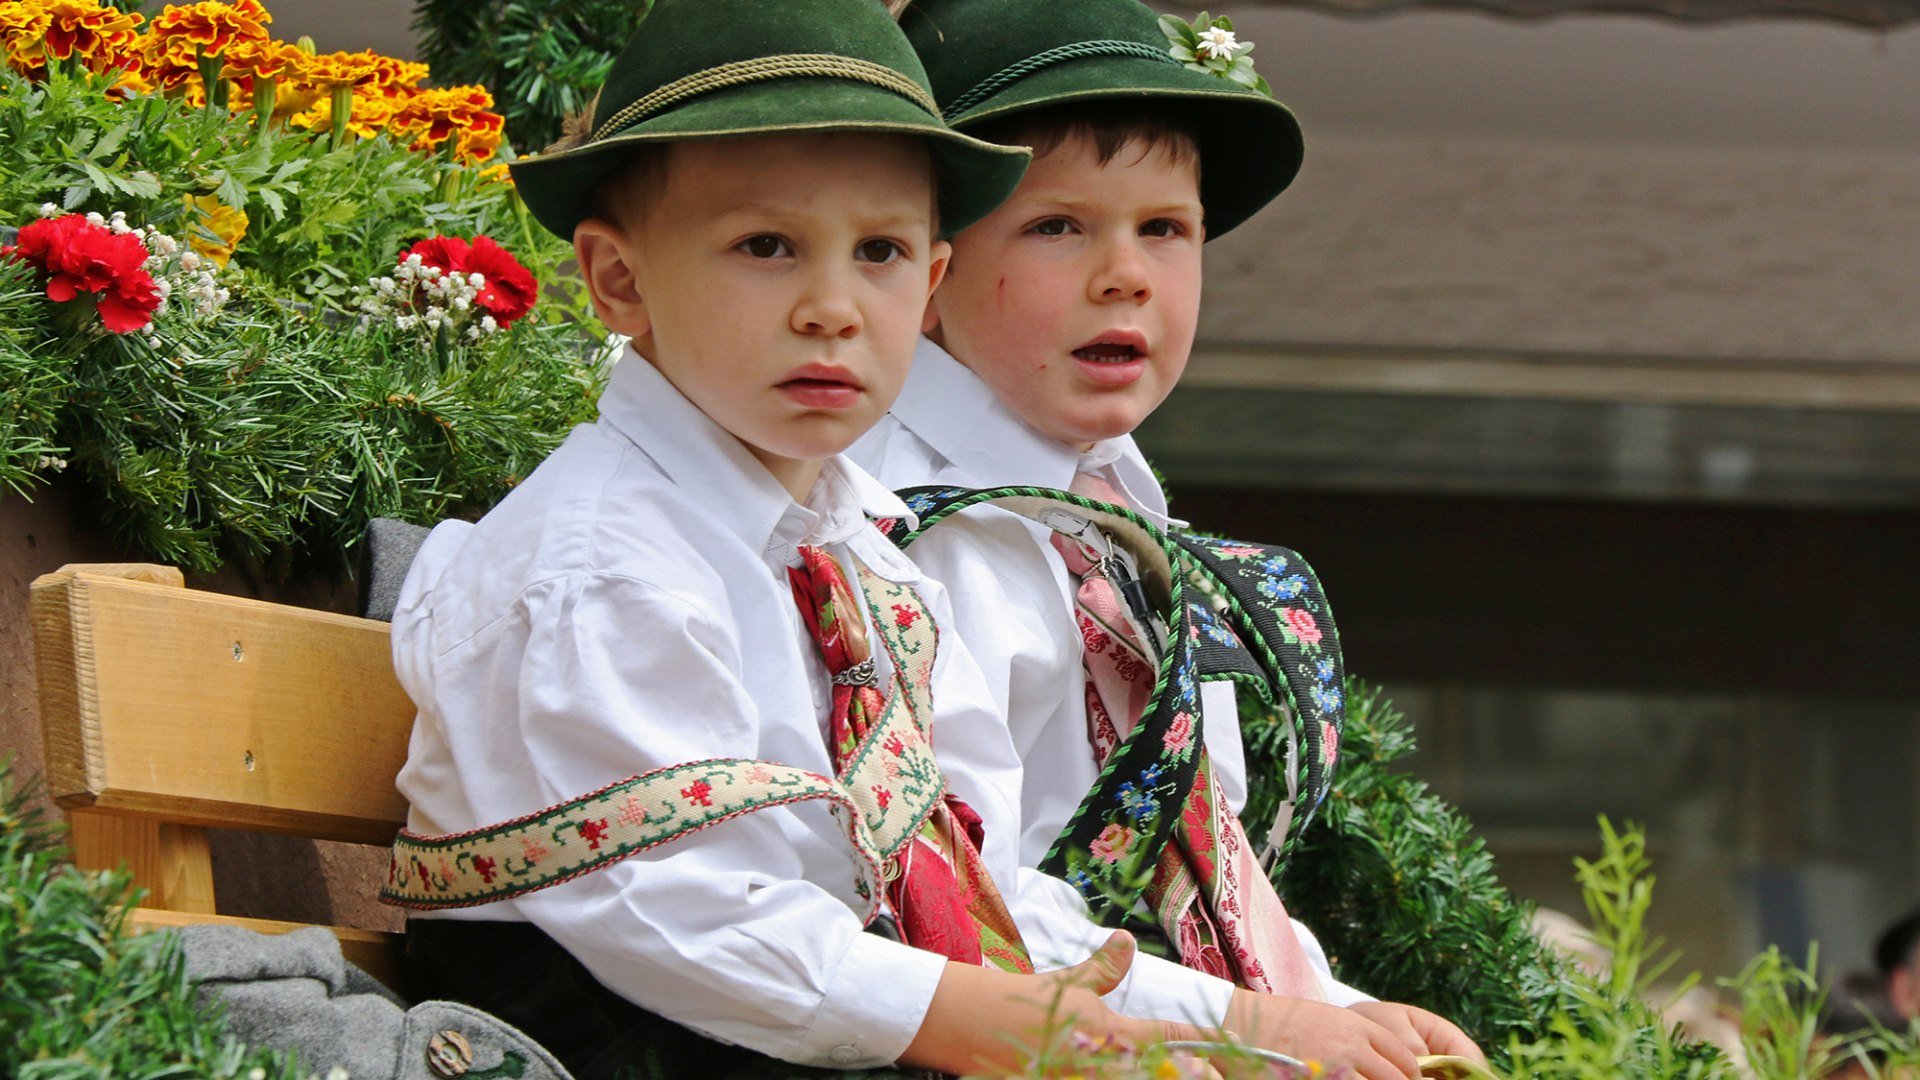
(911, 641)
(599, 829)
(1116, 834)
(886, 791)
(1273, 601)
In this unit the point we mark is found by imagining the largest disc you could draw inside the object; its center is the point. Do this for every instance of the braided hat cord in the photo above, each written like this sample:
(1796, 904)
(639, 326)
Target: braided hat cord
(760, 69)
(994, 83)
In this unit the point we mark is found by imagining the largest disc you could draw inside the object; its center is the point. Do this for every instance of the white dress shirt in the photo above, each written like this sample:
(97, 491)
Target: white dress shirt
(947, 428)
(627, 608)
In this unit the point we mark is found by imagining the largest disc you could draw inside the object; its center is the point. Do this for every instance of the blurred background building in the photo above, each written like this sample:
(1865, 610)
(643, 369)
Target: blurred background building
(1583, 361)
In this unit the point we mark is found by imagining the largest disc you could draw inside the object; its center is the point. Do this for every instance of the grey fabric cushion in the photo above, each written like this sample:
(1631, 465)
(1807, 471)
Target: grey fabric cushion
(296, 992)
(390, 548)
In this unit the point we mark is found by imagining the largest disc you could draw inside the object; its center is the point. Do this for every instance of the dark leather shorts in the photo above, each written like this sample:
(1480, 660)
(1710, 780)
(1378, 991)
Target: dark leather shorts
(516, 972)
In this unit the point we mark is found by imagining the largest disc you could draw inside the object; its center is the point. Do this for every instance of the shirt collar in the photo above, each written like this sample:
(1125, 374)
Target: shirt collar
(737, 491)
(956, 413)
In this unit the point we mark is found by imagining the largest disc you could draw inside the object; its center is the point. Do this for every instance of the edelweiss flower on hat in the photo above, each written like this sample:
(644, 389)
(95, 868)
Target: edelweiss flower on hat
(1208, 45)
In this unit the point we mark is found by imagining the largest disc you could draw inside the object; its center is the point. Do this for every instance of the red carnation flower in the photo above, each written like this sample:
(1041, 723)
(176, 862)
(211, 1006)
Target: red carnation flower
(510, 289)
(80, 257)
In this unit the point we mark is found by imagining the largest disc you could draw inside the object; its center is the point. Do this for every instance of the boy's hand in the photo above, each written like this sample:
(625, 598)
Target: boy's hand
(1419, 1030)
(1328, 1034)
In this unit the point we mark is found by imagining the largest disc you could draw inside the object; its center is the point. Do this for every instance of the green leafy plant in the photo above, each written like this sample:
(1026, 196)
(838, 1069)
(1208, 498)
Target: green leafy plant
(268, 412)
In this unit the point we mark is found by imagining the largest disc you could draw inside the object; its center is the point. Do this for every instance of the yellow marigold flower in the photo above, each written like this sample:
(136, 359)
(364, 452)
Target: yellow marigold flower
(211, 25)
(23, 29)
(497, 174)
(227, 223)
(344, 68)
(369, 116)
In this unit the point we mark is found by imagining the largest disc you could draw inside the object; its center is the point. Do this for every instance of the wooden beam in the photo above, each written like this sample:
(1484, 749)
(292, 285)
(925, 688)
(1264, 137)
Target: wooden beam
(1547, 377)
(172, 863)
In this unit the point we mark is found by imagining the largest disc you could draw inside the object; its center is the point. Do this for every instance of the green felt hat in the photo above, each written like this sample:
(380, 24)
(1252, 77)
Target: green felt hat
(710, 69)
(993, 59)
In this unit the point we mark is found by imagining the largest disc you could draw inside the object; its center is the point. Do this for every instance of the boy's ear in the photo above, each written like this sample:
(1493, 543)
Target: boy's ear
(606, 255)
(936, 273)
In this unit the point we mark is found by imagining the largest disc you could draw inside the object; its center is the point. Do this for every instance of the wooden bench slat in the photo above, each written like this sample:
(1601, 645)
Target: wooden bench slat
(205, 709)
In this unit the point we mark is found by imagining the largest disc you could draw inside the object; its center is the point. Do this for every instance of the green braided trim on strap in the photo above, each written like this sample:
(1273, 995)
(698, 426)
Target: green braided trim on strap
(760, 69)
(1127, 817)
(1078, 50)
(886, 791)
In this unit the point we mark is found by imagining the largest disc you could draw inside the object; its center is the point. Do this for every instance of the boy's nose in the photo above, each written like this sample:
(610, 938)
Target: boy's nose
(1122, 275)
(826, 308)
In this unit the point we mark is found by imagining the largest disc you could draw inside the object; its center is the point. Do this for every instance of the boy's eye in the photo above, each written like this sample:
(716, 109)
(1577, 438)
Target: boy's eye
(1162, 228)
(1052, 227)
(879, 251)
(764, 246)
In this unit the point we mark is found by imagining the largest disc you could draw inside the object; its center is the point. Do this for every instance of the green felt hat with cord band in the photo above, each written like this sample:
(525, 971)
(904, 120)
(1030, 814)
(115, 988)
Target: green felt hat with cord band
(710, 69)
(992, 60)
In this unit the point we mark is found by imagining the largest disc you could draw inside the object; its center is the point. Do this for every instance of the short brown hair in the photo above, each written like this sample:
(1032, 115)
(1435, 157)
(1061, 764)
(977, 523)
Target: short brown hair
(1111, 126)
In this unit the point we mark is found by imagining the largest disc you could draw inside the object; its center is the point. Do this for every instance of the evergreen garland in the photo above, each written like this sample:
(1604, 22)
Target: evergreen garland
(1400, 890)
(80, 999)
(543, 61)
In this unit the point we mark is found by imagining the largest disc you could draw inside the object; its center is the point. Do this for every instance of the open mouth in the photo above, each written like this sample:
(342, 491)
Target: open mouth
(1115, 347)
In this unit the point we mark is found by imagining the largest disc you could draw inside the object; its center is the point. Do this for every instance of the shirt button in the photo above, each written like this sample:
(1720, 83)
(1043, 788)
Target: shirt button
(845, 1053)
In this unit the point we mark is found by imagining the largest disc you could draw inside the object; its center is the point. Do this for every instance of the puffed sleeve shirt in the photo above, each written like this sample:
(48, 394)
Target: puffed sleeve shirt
(627, 608)
(1013, 601)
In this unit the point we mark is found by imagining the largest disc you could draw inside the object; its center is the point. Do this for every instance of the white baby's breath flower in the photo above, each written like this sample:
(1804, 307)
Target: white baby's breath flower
(256, 1073)
(48, 209)
(1217, 44)
(94, 219)
(338, 1072)
(488, 324)
(477, 279)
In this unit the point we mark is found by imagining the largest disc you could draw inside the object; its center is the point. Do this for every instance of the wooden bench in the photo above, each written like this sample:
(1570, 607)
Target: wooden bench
(168, 710)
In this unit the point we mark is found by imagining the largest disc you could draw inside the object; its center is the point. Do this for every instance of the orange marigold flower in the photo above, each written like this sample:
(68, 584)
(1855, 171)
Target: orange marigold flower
(477, 145)
(87, 29)
(398, 78)
(265, 58)
(436, 115)
(212, 25)
(169, 62)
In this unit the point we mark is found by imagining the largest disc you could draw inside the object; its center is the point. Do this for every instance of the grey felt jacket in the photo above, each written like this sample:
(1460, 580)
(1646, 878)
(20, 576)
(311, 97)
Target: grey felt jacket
(296, 992)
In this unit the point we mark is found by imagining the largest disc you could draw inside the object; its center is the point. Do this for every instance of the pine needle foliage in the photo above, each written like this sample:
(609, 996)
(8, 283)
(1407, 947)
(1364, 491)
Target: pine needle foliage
(80, 999)
(1401, 891)
(543, 60)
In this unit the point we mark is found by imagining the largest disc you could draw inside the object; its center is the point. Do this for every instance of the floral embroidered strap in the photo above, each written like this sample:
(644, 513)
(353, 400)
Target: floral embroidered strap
(886, 789)
(1247, 612)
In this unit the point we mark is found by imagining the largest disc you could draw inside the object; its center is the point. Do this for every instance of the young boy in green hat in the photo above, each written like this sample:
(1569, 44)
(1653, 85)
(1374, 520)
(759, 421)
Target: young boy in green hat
(674, 802)
(1067, 316)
